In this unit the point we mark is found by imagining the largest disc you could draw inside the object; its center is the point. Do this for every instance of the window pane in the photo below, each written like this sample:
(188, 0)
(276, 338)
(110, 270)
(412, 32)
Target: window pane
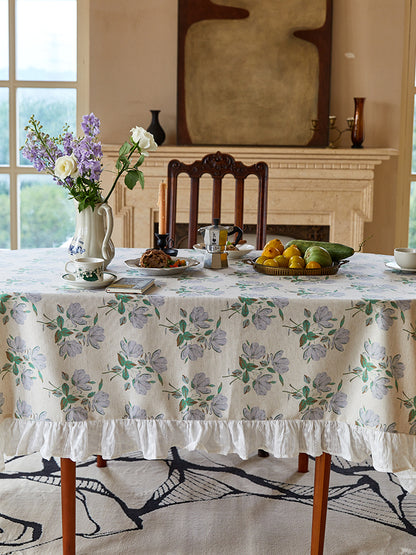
(412, 216)
(47, 215)
(4, 211)
(4, 40)
(53, 55)
(4, 127)
(52, 107)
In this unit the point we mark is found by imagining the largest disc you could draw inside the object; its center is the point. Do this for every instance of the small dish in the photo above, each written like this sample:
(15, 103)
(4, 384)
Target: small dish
(108, 278)
(135, 263)
(395, 266)
(238, 253)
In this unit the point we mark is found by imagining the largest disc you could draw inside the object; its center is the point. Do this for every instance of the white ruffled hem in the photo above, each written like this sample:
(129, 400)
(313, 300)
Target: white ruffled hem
(390, 452)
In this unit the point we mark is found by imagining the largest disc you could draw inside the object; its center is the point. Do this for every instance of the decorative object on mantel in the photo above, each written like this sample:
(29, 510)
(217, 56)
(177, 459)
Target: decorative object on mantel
(75, 164)
(333, 140)
(357, 130)
(156, 129)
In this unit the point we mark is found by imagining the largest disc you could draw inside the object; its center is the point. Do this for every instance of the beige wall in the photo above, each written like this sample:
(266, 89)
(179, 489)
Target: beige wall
(133, 69)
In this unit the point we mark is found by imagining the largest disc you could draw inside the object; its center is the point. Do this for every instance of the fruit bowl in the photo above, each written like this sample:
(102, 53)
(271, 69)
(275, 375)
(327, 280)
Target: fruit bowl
(272, 271)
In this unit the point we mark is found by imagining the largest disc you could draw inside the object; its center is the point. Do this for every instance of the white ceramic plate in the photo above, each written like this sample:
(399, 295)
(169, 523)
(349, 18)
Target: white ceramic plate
(135, 263)
(239, 253)
(107, 279)
(395, 266)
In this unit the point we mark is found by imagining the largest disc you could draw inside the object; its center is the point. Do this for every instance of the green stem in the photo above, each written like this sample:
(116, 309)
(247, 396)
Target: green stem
(133, 148)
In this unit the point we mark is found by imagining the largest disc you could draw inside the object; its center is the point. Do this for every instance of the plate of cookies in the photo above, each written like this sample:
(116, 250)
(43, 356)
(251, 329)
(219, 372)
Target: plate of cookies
(155, 262)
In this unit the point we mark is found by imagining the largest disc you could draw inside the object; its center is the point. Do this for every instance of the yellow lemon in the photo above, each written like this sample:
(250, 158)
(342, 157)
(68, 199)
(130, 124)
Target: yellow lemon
(297, 258)
(312, 264)
(270, 252)
(295, 265)
(260, 259)
(275, 243)
(291, 251)
(282, 261)
(271, 262)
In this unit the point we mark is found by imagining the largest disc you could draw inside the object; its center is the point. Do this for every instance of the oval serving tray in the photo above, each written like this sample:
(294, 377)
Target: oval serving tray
(271, 271)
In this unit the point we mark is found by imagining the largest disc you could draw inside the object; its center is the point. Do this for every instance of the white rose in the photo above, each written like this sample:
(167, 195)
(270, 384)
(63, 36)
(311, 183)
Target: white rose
(66, 166)
(144, 139)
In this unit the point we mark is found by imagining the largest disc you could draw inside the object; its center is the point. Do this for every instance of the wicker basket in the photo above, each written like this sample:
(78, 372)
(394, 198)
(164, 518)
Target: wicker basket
(271, 271)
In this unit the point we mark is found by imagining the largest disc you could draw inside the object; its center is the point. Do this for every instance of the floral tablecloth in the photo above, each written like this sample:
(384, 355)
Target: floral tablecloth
(227, 360)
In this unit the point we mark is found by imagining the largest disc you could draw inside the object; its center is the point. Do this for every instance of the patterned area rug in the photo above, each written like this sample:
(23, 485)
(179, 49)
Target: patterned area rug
(194, 503)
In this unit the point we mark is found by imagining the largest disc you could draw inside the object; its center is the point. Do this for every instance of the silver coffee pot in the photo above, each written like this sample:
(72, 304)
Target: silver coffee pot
(215, 239)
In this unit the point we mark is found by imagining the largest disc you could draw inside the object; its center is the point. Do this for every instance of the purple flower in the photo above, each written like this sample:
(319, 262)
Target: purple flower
(338, 401)
(76, 414)
(100, 401)
(199, 317)
(254, 350)
(254, 413)
(368, 418)
(262, 384)
(38, 360)
(201, 383)
(131, 348)
(95, 335)
(18, 313)
(279, 363)
(81, 380)
(340, 338)
(219, 404)
(70, 348)
(141, 383)
(193, 352)
(17, 344)
(90, 125)
(322, 382)
(374, 350)
(323, 317)
(138, 317)
(261, 319)
(27, 379)
(194, 414)
(385, 318)
(23, 409)
(397, 367)
(379, 387)
(159, 364)
(135, 412)
(315, 352)
(217, 340)
(76, 314)
(314, 413)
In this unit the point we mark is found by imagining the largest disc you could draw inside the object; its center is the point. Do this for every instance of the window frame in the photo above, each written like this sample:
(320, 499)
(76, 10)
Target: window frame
(81, 84)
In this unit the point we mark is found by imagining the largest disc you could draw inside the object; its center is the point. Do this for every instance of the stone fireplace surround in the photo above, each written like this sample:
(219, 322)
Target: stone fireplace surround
(307, 187)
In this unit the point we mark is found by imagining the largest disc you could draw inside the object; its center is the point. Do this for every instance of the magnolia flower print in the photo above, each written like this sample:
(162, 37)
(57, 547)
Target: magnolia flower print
(135, 310)
(258, 369)
(259, 312)
(378, 370)
(198, 397)
(23, 362)
(79, 395)
(196, 332)
(19, 306)
(137, 368)
(319, 395)
(79, 331)
(319, 333)
(381, 313)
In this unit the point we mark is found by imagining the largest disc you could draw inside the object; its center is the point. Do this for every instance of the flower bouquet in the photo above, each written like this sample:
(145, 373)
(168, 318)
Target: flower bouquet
(75, 164)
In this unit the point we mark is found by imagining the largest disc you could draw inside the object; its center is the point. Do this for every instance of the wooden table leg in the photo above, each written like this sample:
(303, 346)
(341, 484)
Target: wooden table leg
(303, 461)
(320, 503)
(68, 475)
(101, 462)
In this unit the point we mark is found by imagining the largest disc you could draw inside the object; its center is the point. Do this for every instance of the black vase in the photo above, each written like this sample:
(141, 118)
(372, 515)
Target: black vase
(155, 128)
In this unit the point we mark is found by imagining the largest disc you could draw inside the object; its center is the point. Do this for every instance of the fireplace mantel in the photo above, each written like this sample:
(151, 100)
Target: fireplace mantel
(307, 186)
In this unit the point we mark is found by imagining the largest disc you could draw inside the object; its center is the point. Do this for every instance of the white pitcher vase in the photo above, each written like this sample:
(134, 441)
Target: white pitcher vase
(93, 230)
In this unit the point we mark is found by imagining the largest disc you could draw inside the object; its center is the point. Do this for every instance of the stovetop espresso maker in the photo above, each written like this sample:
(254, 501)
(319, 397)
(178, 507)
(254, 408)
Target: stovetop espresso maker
(215, 239)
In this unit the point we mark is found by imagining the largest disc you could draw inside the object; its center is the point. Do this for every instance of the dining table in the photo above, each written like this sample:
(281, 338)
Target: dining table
(224, 361)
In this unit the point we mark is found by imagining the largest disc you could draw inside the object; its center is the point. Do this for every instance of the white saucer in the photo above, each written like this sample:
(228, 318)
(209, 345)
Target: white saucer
(395, 266)
(107, 279)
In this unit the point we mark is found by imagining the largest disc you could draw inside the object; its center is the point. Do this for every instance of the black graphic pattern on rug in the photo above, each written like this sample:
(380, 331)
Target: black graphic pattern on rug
(362, 495)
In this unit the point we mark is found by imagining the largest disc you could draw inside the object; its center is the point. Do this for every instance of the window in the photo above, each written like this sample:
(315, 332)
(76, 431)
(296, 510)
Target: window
(43, 71)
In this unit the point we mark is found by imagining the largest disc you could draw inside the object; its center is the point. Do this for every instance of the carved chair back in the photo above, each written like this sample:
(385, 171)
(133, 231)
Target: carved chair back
(217, 166)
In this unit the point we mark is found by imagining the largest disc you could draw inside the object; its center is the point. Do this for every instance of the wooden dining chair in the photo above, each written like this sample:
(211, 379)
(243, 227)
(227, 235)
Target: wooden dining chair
(216, 165)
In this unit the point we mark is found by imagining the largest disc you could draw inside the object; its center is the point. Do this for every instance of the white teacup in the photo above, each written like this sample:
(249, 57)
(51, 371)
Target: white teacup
(405, 258)
(86, 269)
